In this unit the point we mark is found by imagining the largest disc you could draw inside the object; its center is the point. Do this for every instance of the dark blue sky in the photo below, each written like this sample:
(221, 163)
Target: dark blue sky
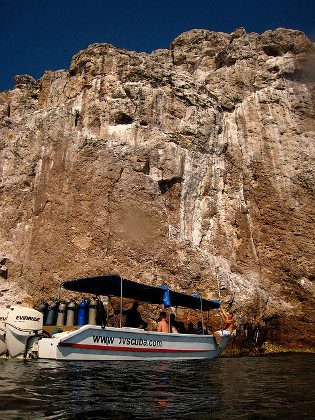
(44, 34)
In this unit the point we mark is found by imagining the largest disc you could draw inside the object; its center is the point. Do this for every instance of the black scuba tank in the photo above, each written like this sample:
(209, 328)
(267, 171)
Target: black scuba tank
(101, 313)
(52, 313)
(43, 308)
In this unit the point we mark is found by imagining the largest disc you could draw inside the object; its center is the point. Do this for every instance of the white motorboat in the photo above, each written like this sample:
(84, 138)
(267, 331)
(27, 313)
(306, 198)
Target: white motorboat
(25, 334)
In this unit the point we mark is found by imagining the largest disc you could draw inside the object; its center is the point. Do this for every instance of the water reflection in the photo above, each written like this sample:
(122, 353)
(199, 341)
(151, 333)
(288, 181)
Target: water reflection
(251, 387)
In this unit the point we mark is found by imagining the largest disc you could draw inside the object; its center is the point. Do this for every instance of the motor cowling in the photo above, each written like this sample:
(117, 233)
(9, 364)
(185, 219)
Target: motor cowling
(3, 319)
(21, 326)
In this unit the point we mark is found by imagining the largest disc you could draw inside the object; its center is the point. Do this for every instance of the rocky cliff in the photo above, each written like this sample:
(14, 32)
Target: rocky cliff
(189, 167)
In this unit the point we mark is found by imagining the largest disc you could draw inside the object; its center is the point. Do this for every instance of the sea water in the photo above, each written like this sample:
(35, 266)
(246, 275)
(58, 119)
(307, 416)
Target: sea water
(274, 386)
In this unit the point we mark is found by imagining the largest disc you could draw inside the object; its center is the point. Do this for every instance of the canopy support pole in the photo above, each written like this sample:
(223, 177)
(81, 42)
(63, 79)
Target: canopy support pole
(203, 331)
(107, 313)
(121, 299)
(208, 323)
(169, 319)
(219, 291)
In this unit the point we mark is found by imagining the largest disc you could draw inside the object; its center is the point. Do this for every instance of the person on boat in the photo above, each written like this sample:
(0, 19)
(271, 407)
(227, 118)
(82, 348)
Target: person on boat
(199, 329)
(191, 329)
(228, 321)
(163, 325)
(133, 317)
(181, 328)
(174, 324)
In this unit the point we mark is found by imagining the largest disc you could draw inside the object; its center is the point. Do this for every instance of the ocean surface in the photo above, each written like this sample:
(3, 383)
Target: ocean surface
(273, 386)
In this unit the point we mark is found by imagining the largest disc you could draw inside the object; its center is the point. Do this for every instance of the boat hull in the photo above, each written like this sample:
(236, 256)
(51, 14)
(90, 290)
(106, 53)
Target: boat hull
(96, 343)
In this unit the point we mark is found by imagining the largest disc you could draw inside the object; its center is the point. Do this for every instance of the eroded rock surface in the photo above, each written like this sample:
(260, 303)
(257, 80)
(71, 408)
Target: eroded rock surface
(176, 167)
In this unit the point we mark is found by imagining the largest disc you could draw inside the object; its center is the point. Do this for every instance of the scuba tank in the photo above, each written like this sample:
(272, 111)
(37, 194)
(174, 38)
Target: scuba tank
(71, 312)
(93, 311)
(52, 313)
(43, 308)
(83, 306)
(101, 313)
(61, 313)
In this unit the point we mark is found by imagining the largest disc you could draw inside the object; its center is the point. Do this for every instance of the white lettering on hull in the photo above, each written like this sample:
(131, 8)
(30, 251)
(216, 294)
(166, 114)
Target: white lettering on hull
(103, 339)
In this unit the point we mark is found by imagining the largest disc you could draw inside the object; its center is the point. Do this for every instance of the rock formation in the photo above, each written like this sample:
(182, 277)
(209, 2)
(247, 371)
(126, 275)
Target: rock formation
(189, 167)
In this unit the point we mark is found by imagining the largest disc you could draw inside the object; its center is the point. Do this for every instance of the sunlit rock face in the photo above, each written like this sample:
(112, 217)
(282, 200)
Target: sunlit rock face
(188, 167)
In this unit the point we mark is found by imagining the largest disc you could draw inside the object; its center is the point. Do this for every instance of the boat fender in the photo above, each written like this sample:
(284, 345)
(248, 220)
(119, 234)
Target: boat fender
(62, 310)
(52, 313)
(93, 311)
(83, 306)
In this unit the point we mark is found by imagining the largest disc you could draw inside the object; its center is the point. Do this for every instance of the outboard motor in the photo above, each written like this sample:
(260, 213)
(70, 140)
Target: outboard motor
(62, 310)
(3, 319)
(83, 307)
(71, 312)
(43, 308)
(93, 310)
(52, 313)
(21, 328)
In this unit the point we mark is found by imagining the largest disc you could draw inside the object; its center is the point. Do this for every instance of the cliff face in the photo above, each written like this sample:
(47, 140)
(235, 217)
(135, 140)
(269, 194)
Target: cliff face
(176, 167)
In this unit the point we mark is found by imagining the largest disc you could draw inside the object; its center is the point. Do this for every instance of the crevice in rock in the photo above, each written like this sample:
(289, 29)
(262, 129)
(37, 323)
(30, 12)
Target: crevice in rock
(122, 118)
(225, 109)
(166, 184)
(222, 60)
(272, 50)
(146, 168)
(3, 269)
(73, 72)
(77, 116)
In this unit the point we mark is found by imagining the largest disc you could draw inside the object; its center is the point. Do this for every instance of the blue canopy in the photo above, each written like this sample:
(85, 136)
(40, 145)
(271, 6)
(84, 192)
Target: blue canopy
(110, 285)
